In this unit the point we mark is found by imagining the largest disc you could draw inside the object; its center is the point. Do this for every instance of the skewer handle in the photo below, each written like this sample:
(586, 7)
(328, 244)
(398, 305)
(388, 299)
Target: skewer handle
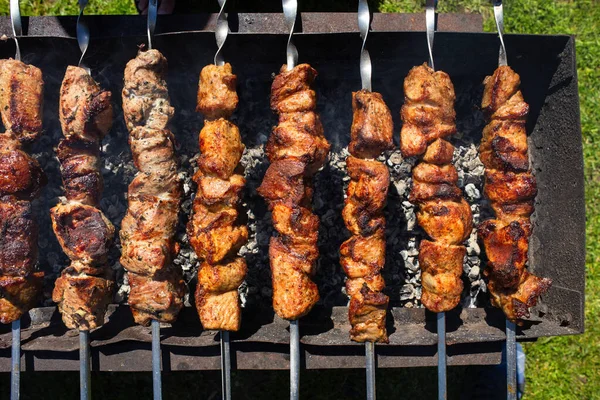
(511, 361)
(151, 25)
(290, 11)
(441, 331)
(370, 367)
(84, 366)
(364, 20)
(156, 378)
(17, 28)
(430, 7)
(294, 360)
(221, 32)
(15, 371)
(83, 33)
(225, 366)
(499, 17)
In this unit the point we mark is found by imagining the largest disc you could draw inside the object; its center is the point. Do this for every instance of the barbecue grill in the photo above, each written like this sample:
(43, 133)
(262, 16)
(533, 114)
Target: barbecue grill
(475, 331)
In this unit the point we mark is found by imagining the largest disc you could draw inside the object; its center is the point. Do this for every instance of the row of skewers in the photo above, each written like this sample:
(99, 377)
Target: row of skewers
(297, 149)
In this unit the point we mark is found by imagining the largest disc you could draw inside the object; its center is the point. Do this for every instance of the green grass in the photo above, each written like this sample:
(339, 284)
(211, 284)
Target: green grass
(558, 368)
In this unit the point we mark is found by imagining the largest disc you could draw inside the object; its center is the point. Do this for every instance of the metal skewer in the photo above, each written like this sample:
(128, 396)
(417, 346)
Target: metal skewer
(430, 22)
(290, 12)
(85, 387)
(364, 20)
(156, 356)
(511, 337)
(221, 32)
(15, 371)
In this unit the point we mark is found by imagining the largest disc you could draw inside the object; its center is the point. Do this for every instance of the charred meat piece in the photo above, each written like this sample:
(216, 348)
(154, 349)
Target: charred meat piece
(215, 230)
(363, 255)
(84, 289)
(372, 126)
(511, 188)
(428, 116)
(297, 149)
(148, 228)
(21, 97)
(21, 181)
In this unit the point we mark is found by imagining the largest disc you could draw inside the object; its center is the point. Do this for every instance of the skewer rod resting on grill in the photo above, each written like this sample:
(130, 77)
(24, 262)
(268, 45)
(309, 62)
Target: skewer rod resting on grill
(225, 366)
(156, 378)
(84, 365)
(370, 365)
(294, 360)
(511, 361)
(15, 371)
(441, 331)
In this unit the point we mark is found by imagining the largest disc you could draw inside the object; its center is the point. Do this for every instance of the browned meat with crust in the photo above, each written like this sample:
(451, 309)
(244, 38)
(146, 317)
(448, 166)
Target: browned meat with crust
(21, 176)
(297, 149)
(217, 298)
(159, 297)
(363, 255)
(221, 148)
(85, 109)
(21, 98)
(80, 169)
(299, 136)
(428, 116)
(215, 229)
(148, 229)
(217, 97)
(428, 112)
(146, 100)
(84, 289)
(372, 126)
(511, 188)
(18, 294)
(21, 181)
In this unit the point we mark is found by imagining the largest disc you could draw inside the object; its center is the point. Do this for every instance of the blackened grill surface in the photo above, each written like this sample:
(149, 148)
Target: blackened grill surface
(547, 68)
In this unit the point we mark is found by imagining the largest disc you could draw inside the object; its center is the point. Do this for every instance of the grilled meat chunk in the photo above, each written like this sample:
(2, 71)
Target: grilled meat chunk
(511, 188)
(217, 97)
(363, 255)
(84, 289)
(21, 176)
(21, 98)
(296, 149)
(221, 148)
(21, 181)
(148, 229)
(215, 229)
(85, 109)
(145, 95)
(372, 126)
(158, 297)
(428, 116)
(428, 112)
(18, 294)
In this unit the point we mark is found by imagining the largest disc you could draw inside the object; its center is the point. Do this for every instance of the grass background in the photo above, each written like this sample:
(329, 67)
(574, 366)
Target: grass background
(557, 368)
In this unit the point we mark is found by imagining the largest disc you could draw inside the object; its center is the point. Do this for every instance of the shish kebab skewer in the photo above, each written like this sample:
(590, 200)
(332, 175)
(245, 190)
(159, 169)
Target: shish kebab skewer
(84, 289)
(511, 189)
(21, 181)
(428, 118)
(297, 149)
(148, 229)
(215, 229)
(363, 255)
